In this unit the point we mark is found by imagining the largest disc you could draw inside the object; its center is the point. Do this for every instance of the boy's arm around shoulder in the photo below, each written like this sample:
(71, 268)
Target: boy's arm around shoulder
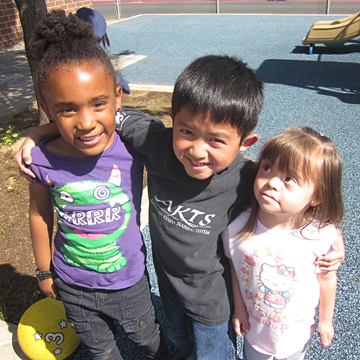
(327, 281)
(135, 126)
(333, 260)
(41, 216)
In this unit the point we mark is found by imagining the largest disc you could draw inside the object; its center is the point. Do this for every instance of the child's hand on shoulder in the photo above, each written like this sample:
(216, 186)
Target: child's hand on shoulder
(326, 331)
(23, 155)
(23, 159)
(333, 260)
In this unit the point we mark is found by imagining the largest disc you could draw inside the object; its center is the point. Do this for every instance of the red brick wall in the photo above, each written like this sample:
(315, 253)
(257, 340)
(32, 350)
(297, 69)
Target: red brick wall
(10, 25)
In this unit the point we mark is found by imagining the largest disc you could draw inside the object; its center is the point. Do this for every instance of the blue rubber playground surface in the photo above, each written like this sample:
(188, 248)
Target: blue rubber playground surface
(320, 90)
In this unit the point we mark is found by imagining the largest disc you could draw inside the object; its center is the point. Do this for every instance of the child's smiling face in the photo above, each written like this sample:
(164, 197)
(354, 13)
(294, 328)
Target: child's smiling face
(203, 147)
(82, 101)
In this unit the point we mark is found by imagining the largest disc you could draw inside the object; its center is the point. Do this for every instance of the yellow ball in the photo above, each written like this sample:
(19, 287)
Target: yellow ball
(44, 332)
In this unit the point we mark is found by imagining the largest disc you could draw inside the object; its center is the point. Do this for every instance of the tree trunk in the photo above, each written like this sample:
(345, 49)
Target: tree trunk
(31, 11)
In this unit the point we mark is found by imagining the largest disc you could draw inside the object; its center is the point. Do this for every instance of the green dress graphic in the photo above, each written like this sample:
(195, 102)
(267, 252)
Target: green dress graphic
(97, 251)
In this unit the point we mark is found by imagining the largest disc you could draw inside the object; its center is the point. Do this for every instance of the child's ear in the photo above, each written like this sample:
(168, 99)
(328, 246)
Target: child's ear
(118, 95)
(249, 141)
(314, 202)
(171, 114)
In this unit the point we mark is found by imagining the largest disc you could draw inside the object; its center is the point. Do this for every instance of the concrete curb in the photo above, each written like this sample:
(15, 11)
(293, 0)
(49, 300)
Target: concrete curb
(9, 346)
(158, 88)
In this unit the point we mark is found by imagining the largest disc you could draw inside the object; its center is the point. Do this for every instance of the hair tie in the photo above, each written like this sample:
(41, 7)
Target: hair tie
(321, 134)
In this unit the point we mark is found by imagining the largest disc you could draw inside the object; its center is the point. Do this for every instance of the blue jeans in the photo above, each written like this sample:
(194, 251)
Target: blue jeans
(200, 341)
(92, 312)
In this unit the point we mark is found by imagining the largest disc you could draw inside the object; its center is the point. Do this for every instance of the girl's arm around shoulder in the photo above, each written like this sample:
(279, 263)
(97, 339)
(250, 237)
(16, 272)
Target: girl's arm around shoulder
(41, 225)
(327, 281)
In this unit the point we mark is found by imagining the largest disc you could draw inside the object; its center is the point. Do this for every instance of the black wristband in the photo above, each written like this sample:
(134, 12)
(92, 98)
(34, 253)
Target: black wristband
(42, 275)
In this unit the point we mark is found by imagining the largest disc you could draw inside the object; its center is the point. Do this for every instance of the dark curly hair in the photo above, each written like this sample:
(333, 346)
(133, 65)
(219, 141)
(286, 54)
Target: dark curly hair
(62, 40)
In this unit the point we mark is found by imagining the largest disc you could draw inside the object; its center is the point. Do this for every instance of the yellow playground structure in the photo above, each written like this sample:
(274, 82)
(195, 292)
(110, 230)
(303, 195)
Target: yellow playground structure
(323, 32)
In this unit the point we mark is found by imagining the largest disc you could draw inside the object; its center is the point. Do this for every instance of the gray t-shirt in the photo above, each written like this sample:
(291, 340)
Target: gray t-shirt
(186, 218)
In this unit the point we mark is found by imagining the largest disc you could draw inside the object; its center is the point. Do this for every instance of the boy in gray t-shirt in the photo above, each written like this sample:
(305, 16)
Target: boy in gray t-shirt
(196, 173)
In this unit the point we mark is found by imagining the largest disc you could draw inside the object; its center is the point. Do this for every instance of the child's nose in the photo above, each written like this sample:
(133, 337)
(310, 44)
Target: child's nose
(198, 150)
(274, 182)
(87, 120)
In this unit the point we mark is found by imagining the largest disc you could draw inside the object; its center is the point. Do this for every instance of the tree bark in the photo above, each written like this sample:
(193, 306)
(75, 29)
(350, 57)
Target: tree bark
(31, 11)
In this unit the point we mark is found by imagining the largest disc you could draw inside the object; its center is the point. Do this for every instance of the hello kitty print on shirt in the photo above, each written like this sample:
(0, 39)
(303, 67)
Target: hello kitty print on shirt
(272, 314)
(276, 285)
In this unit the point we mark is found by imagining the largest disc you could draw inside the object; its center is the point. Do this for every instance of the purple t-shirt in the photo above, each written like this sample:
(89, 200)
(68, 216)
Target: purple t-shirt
(98, 243)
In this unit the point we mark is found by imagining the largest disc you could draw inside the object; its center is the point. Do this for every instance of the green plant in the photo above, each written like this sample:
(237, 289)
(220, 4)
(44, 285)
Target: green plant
(2, 313)
(10, 136)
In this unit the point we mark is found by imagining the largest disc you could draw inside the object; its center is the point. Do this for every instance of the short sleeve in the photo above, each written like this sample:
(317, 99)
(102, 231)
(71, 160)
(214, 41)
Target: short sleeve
(39, 164)
(230, 234)
(134, 127)
(226, 242)
(321, 247)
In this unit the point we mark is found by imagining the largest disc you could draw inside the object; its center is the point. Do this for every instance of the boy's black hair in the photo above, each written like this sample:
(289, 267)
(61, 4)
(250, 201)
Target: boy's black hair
(223, 87)
(61, 40)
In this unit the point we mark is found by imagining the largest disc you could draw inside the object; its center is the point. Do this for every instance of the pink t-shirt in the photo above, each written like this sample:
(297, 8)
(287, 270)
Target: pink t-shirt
(278, 282)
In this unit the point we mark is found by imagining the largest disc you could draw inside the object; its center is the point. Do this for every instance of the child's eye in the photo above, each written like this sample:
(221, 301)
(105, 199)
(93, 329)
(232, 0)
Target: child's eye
(290, 180)
(218, 141)
(267, 168)
(98, 104)
(186, 132)
(67, 111)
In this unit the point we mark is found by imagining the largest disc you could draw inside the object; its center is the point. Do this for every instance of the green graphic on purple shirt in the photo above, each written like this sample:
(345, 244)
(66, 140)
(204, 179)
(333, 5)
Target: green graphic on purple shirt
(93, 215)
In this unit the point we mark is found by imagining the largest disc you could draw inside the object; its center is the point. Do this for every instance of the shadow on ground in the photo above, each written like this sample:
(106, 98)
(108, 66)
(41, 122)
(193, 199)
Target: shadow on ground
(17, 292)
(347, 47)
(323, 77)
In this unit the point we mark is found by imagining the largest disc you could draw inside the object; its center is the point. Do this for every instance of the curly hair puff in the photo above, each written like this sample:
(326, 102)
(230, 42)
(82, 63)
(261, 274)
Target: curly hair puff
(63, 40)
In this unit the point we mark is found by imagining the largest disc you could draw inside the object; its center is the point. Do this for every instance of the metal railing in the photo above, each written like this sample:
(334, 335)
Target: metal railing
(127, 8)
